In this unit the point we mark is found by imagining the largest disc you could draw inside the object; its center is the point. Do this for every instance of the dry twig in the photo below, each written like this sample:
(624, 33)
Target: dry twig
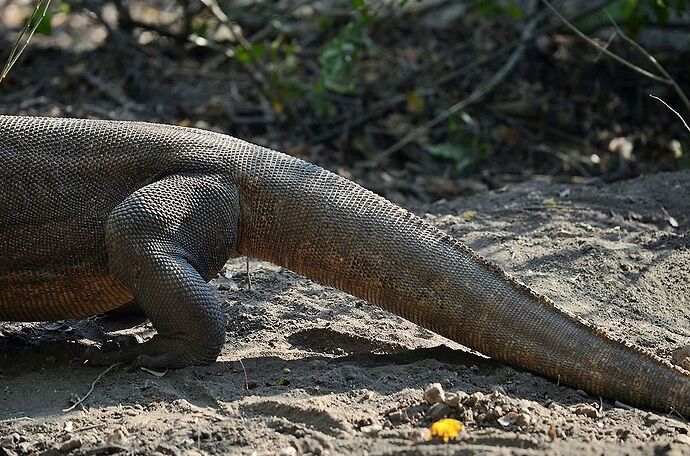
(665, 77)
(246, 378)
(603, 49)
(473, 97)
(93, 385)
(249, 276)
(674, 111)
(656, 64)
(258, 72)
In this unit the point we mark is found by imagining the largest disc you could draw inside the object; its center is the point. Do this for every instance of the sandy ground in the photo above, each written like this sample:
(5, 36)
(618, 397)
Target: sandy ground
(309, 370)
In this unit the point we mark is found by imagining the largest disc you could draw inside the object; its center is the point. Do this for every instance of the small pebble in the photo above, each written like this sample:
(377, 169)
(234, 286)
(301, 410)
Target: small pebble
(287, 451)
(467, 416)
(70, 445)
(372, 430)
(118, 438)
(508, 419)
(523, 419)
(164, 448)
(586, 410)
(192, 453)
(433, 394)
(452, 400)
(475, 398)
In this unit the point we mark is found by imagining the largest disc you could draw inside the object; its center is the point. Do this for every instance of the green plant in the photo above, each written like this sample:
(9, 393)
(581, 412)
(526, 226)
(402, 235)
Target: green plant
(465, 147)
(337, 59)
(498, 8)
(636, 14)
(338, 56)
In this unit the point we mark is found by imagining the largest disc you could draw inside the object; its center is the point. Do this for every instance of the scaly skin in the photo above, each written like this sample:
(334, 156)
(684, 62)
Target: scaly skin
(97, 213)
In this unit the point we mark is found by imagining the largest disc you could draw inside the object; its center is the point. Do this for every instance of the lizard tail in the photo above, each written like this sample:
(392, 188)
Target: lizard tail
(332, 230)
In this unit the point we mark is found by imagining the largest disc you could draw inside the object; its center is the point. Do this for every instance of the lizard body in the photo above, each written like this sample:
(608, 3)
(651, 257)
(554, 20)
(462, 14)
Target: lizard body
(94, 214)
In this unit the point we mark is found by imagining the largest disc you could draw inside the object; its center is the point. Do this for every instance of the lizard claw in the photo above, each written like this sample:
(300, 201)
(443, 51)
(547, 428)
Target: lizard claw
(157, 364)
(157, 354)
(112, 351)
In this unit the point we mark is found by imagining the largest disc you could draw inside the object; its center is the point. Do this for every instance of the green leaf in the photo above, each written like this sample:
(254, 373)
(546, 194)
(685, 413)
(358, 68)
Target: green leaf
(245, 56)
(461, 155)
(338, 56)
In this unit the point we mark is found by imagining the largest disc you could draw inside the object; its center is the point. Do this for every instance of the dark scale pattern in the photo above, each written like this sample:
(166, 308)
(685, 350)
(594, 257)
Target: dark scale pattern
(105, 211)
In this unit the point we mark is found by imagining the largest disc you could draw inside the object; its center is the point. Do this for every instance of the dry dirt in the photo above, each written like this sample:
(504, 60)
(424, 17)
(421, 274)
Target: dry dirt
(310, 370)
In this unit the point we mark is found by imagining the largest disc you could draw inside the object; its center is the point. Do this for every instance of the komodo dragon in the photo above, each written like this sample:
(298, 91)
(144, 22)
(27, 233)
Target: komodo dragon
(95, 214)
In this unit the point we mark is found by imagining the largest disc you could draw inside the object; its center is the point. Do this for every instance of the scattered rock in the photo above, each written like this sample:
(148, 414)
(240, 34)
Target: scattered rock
(438, 411)
(193, 453)
(433, 394)
(508, 419)
(395, 417)
(462, 396)
(287, 451)
(118, 438)
(523, 419)
(467, 416)
(70, 445)
(475, 398)
(494, 414)
(586, 410)
(165, 448)
(372, 430)
(453, 400)
(225, 284)
(10, 440)
(682, 438)
(552, 432)
(309, 445)
(25, 447)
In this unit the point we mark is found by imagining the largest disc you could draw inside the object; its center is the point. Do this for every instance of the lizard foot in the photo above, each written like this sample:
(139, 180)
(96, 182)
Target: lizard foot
(159, 353)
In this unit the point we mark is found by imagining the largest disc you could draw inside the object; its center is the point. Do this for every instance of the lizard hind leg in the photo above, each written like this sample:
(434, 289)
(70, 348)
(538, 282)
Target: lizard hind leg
(165, 241)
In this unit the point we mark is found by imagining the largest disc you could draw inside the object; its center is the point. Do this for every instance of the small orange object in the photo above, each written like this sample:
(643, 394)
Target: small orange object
(445, 429)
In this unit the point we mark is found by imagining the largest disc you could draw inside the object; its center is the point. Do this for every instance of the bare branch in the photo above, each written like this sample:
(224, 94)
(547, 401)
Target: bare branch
(674, 111)
(604, 50)
(472, 98)
(655, 62)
